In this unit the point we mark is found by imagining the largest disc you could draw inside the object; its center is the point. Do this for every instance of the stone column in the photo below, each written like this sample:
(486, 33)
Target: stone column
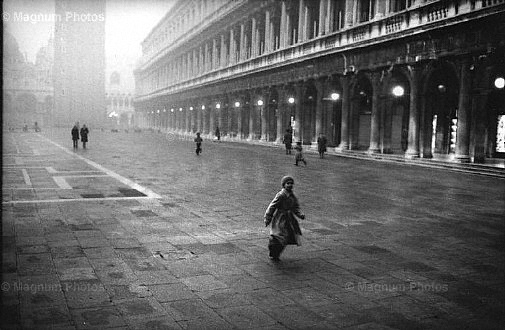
(254, 39)
(212, 119)
(199, 115)
(388, 125)
(480, 123)
(350, 13)
(281, 114)
(192, 126)
(284, 26)
(463, 124)
(346, 102)
(375, 117)
(252, 117)
(301, 21)
(319, 108)
(427, 129)
(297, 134)
(322, 17)
(243, 48)
(268, 46)
(413, 140)
(233, 48)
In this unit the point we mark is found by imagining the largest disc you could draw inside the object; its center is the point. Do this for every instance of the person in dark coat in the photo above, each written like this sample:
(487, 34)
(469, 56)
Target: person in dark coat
(84, 135)
(218, 134)
(280, 214)
(198, 141)
(75, 136)
(321, 145)
(288, 140)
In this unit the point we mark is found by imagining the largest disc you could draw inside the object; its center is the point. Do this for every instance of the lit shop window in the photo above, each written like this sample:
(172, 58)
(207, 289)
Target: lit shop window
(454, 128)
(500, 134)
(434, 132)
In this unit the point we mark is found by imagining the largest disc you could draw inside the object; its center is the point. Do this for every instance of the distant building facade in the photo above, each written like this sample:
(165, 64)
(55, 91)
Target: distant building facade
(27, 87)
(79, 57)
(413, 77)
(120, 87)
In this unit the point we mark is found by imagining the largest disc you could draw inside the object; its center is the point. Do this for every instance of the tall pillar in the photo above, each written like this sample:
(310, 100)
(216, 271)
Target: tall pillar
(188, 120)
(230, 122)
(222, 54)
(243, 48)
(297, 134)
(463, 124)
(284, 26)
(199, 115)
(427, 128)
(233, 48)
(375, 117)
(301, 21)
(322, 17)
(346, 101)
(413, 140)
(264, 122)
(212, 119)
(281, 114)
(319, 108)
(254, 39)
(387, 126)
(268, 46)
(252, 117)
(350, 13)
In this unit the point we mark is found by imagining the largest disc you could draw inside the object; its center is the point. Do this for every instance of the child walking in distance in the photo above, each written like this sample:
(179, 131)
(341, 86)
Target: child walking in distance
(198, 141)
(299, 154)
(280, 214)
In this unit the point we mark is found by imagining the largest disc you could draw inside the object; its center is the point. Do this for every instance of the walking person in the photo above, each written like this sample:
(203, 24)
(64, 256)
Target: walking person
(288, 140)
(218, 134)
(198, 141)
(75, 136)
(299, 154)
(280, 214)
(84, 135)
(321, 145)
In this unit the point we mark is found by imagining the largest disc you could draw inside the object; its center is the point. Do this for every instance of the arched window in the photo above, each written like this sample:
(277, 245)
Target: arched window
(115, 78)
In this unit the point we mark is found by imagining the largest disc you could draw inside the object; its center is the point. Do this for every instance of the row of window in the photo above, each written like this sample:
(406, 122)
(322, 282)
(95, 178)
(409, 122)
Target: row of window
(280, 25)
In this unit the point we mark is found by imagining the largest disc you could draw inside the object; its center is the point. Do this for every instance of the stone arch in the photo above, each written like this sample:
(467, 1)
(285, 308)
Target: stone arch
(440, 102)
(361, 110)
(396, 110)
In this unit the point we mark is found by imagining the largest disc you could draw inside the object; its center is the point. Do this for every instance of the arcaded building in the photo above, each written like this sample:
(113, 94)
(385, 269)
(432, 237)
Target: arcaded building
(412, 77)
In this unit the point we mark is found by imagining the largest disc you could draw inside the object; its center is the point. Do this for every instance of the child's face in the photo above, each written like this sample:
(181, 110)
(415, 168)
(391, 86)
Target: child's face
(289, 185)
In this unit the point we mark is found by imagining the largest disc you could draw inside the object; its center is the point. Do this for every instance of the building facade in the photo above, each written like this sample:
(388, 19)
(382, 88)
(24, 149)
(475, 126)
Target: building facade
(119, 97)
(413, 77)
(79, 58)
(27, 87)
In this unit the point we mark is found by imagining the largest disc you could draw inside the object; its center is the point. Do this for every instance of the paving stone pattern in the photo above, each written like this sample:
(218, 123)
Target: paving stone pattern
(386, 246)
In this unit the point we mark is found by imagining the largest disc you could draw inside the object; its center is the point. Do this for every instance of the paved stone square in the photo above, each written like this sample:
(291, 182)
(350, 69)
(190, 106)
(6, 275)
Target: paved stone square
(137, 231)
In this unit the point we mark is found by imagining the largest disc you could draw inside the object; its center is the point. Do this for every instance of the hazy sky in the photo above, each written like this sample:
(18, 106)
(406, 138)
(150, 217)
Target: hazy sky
(127, 23)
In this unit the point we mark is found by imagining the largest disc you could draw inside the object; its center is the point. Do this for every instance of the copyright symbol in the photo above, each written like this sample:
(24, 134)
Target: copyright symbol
(5, 286)
(170, 136)
(349, 286)
(6, 17)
